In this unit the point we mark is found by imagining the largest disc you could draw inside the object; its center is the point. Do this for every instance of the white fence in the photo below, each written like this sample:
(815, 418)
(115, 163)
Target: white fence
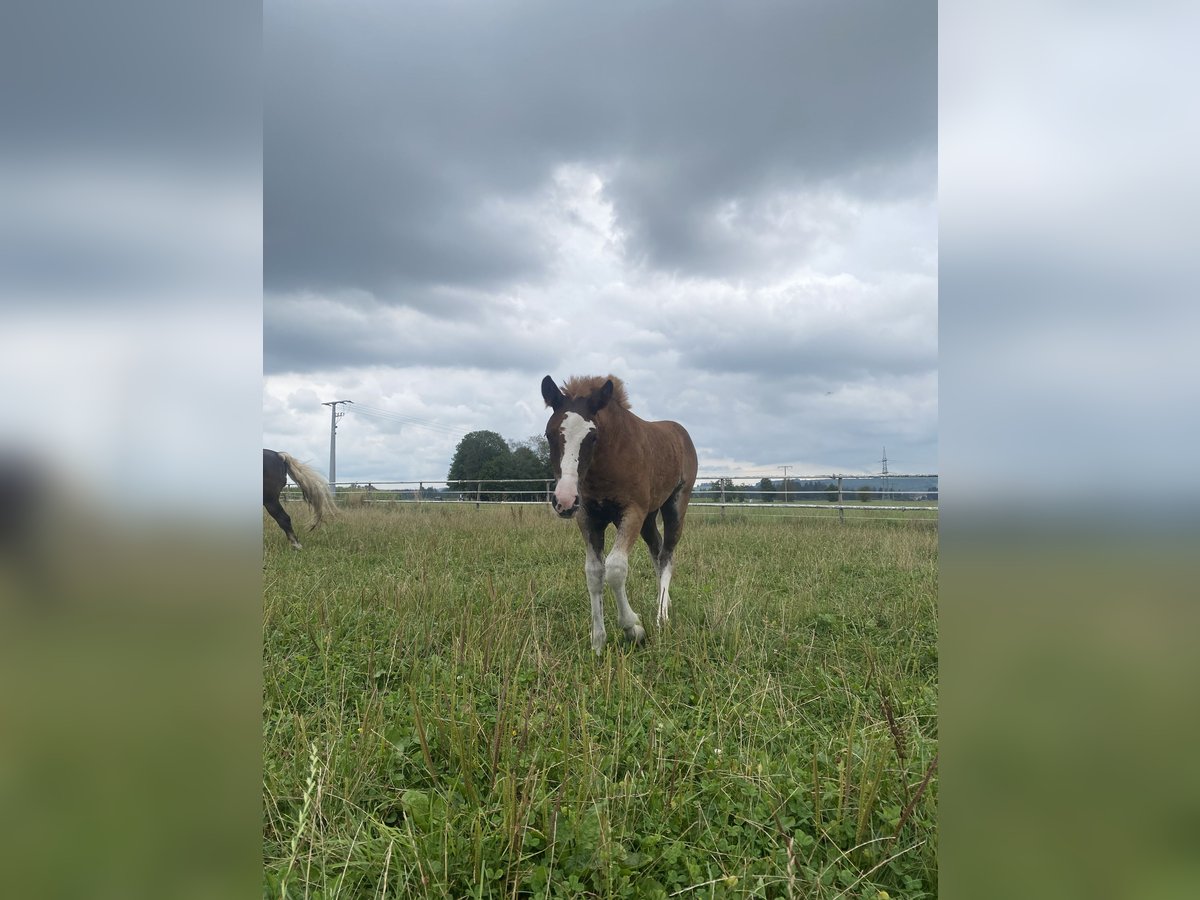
(874, 496)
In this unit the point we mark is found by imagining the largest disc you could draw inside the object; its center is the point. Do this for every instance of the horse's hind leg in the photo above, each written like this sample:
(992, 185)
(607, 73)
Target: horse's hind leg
(279, 514)
(653, 539)
(673, 512)
(654, 544)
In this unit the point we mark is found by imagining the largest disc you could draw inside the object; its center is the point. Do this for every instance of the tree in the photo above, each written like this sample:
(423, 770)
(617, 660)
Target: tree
(476, 452)
(766, 490)
(493, 476)
(539, 447)
(532, 468)
(486, 463)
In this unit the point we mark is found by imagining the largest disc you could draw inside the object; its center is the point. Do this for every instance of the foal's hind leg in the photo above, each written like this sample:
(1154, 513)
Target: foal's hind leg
(275, 508)
(654, 544)
(673, 512)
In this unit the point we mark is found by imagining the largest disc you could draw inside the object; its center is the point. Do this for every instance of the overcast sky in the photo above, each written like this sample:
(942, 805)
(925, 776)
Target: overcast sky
(733, 207)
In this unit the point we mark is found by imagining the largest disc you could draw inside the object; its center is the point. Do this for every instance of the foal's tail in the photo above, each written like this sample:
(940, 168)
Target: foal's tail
(315, 489)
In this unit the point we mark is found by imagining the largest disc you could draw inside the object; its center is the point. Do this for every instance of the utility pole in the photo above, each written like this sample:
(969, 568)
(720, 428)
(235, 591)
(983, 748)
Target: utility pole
(334, 415)
(785, 485)
(884, 473)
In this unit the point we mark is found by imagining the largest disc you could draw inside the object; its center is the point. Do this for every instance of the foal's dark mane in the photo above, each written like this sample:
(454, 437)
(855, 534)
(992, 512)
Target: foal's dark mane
(583, 385)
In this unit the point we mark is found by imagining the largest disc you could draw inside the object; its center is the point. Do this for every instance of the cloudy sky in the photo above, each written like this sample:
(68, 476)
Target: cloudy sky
(731, 206)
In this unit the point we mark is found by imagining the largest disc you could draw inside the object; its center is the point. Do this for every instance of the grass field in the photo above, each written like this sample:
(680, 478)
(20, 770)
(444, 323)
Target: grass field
(436, 725)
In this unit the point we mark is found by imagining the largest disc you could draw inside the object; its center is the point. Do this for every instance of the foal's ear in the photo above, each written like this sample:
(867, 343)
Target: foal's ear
(600, 398)
(551, 394)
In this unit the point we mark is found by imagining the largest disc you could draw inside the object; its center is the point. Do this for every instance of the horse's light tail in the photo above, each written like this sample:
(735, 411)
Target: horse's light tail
(313, 486)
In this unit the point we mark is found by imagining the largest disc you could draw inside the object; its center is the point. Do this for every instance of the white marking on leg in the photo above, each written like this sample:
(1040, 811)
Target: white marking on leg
(593, 568)
(616, 571)
(664, 592)
(574, 429)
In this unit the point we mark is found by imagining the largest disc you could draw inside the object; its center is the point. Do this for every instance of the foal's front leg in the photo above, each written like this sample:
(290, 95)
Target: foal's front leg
(616, 570)
(593, 568)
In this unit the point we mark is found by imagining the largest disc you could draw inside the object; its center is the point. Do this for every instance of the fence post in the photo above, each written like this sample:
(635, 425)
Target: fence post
(478, 491)
(722, 498)
(420, 490)
(841, 507)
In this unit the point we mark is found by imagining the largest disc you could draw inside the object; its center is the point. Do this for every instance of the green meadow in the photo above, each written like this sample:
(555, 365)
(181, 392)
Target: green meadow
(435, 723)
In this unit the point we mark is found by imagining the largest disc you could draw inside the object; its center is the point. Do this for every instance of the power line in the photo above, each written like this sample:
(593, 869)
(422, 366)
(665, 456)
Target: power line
(402, 419)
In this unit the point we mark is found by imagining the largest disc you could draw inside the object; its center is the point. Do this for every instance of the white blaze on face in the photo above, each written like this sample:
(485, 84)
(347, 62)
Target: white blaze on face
(574, 429)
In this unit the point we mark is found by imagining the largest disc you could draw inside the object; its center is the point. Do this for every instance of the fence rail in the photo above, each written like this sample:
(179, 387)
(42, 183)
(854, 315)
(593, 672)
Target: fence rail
(862, 495)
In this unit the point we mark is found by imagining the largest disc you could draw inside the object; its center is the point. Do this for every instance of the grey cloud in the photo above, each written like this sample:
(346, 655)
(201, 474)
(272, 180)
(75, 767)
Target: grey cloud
(835, 353)
(799, 417)
(836, 328)
(388, 132)
(389, 227)
(305, 333)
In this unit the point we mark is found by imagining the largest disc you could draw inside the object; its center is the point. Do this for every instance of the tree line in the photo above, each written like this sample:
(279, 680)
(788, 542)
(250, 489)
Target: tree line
(794, 490)
(797, 490)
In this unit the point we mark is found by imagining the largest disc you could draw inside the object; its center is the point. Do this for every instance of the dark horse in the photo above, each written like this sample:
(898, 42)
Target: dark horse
(614, 468)
(277, 467)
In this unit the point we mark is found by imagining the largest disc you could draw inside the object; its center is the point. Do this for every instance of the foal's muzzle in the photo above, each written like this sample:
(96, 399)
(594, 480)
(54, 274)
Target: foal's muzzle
(565, 498)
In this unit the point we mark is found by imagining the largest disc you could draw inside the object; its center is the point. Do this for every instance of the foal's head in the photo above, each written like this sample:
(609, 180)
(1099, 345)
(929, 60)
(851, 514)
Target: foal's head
(571, 432)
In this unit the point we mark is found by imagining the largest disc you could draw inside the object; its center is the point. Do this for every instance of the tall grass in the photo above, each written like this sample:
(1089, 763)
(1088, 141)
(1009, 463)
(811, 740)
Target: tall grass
(436, 724)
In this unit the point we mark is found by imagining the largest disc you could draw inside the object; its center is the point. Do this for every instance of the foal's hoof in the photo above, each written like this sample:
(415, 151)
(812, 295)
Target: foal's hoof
(635, 635)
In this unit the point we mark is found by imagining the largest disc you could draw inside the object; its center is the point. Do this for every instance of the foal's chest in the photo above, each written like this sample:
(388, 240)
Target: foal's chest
(606, 511)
